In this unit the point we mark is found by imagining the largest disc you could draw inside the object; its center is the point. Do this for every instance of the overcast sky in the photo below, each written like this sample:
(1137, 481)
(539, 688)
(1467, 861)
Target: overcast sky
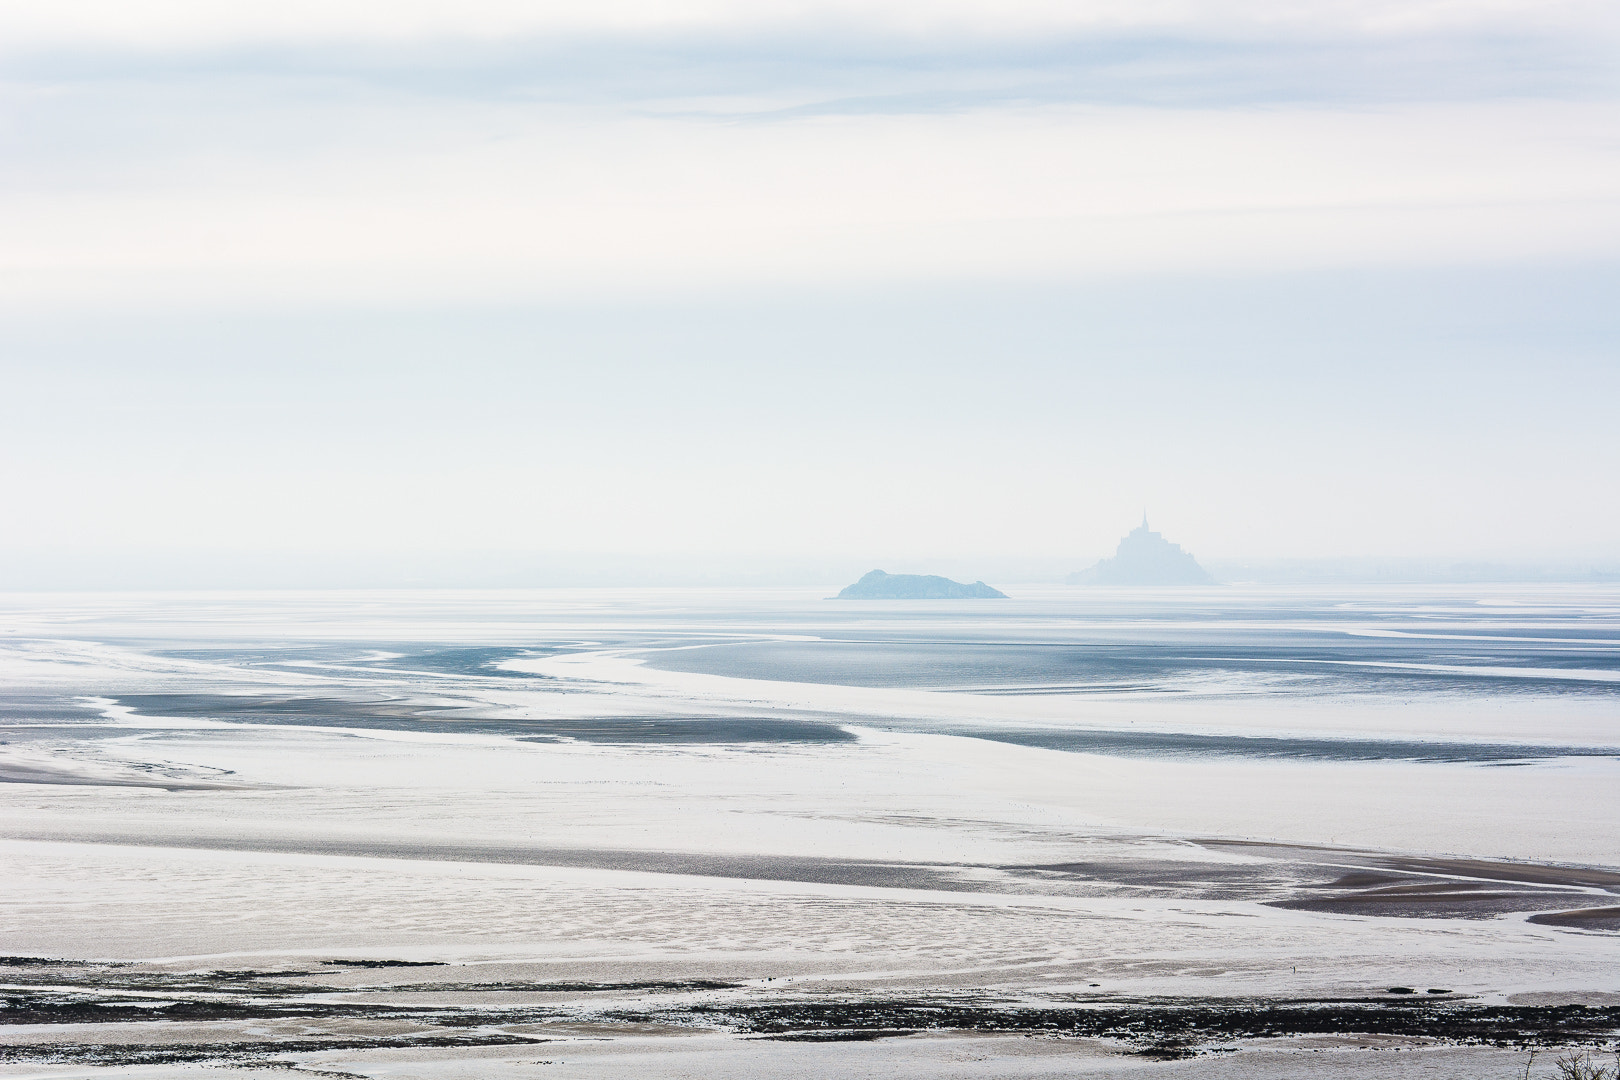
(782, 284)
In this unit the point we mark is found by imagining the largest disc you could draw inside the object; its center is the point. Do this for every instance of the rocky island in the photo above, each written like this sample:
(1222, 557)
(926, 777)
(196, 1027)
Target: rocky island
(881, 586)
(1145, 557)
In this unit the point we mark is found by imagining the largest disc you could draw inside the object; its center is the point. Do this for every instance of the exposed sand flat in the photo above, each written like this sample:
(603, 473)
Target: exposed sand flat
(458, 843)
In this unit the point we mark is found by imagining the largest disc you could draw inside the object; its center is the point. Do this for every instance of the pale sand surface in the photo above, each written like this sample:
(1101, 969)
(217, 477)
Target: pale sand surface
(307, 800)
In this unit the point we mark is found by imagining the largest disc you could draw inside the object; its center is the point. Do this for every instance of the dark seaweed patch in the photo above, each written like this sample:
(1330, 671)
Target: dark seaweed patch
(184, 1053)
(99, 994)
(1179, 1024)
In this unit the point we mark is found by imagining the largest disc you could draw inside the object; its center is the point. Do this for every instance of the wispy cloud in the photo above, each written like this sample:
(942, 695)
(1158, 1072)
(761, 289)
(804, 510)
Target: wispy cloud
(899, 55)
(160, 23)
(366, 150)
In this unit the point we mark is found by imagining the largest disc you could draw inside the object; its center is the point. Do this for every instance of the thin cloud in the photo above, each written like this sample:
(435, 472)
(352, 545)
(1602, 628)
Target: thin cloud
(762, 70)
(161, 24)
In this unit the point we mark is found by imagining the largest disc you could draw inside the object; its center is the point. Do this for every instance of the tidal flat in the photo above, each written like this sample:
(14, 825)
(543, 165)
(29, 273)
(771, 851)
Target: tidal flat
(1197, 832)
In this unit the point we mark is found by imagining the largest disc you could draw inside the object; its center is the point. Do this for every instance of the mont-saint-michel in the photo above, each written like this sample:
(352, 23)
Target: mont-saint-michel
(878, 585)
(1145, 557)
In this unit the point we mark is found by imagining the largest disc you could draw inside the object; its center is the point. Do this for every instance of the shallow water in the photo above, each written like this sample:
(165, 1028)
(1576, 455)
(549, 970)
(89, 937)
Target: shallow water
(1373, 641)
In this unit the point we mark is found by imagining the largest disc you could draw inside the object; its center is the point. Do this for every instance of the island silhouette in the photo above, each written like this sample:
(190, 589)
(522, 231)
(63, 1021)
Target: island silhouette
(881, 586)
(1145, 557)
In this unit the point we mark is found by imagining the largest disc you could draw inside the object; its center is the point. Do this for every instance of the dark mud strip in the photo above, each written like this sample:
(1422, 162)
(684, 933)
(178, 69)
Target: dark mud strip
(1346, 882)
(811, 870)
(1604, 918)
(118, 1054)
(90, 979)
(1488, 869)
(408, 715)
(402, 714)
(1299, 877)
(381, 713)
(1428, 895)
(1443, 901)
(1177, 744)
(635, 730)
(1530, 873)
(1402, 886)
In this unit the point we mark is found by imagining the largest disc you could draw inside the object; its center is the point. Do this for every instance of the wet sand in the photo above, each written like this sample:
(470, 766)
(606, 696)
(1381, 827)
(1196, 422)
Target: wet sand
(1596, 919)
(86, 1014)
(293, 839)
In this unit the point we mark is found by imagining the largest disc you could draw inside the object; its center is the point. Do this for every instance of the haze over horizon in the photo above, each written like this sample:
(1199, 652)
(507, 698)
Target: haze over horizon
(420, 293)
(788, 538)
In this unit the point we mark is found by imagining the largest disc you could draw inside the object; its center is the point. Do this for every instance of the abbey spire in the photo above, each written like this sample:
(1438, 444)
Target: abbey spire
(1145, 558)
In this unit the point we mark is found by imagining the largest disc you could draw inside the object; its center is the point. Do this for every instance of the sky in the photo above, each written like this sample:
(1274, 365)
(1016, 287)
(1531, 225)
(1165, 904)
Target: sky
(515, 293)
